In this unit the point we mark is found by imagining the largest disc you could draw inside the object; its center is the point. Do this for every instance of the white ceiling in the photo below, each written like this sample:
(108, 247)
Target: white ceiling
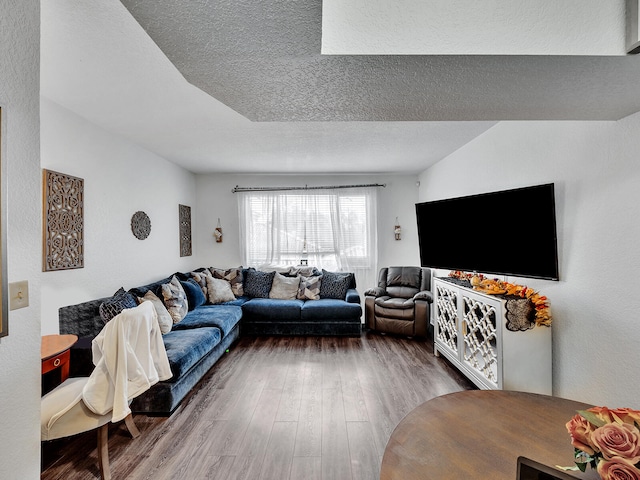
(274, 104)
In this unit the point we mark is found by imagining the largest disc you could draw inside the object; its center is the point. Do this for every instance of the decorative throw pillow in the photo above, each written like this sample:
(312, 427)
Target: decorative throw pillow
(233, 276)
(309, 287)
(165, 322)
(175, 299)
(284, 288)
(195, 297)
(219, 290)
(257, 283)
(303, 271)
(113, 306)
(201, 280)
(335, 285)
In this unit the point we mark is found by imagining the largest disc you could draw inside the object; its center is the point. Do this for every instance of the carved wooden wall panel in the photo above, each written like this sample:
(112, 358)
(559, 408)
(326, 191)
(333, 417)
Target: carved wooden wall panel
(185, 230)
(63, 241)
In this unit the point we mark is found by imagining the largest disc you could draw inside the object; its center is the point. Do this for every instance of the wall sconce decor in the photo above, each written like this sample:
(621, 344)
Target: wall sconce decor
(397, 230)
(218, 232)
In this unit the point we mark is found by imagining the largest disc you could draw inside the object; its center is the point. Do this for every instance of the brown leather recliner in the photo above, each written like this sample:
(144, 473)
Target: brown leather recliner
(401, 302)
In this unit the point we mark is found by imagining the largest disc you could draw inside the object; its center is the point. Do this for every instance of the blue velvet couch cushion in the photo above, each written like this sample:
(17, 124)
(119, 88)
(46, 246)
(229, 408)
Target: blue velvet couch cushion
(272, 310)
(225, 317)
(330, 309)
(239, 301)
(185, 348)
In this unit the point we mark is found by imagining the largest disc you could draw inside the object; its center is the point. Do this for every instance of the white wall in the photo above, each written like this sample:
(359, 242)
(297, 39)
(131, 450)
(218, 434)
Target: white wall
(120, 178)
(20, 154)
(596, 172)
(215, 200)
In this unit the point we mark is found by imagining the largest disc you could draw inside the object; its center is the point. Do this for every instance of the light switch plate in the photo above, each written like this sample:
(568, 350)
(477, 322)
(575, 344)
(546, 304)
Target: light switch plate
(18, 295)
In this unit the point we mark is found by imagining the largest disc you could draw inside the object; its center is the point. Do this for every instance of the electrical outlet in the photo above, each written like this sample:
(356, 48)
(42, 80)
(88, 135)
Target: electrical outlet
(18, 295)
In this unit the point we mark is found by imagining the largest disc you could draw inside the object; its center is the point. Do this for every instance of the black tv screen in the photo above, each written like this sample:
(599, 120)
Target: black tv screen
(511, 232)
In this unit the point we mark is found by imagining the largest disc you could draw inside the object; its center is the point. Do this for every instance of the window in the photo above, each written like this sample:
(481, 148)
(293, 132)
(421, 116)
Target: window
(331, 229)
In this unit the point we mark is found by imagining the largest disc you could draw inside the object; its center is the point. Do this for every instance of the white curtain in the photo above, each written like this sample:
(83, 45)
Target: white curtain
(331, 229)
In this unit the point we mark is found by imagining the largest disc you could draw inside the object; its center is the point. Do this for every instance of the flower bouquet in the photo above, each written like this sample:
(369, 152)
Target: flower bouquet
(607, 440)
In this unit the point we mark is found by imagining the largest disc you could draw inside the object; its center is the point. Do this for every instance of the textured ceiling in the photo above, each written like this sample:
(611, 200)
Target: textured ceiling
(263, 60)
(273, 104)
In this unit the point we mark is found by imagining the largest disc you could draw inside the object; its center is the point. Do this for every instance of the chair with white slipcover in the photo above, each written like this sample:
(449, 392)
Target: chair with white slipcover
(130, 357)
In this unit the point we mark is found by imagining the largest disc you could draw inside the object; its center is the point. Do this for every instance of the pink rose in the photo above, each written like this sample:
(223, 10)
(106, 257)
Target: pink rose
(617, 469)
(617, 440)
(580, 431)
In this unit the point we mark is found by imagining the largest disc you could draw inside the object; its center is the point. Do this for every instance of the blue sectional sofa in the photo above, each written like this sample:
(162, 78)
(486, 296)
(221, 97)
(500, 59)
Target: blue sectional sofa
(198, 340)
(193, 346)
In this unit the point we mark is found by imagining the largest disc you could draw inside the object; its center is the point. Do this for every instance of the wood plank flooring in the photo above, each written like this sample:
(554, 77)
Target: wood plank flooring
(298, 408)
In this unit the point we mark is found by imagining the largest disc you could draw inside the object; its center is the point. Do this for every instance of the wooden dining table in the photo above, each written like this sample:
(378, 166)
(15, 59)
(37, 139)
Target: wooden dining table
(479, 434)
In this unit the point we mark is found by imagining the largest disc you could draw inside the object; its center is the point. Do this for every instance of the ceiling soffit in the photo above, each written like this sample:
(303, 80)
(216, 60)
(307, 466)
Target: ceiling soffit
(262, 59)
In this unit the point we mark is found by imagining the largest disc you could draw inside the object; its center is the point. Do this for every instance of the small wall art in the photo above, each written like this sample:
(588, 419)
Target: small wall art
(184, 214)
(140, 225)
(63, 223)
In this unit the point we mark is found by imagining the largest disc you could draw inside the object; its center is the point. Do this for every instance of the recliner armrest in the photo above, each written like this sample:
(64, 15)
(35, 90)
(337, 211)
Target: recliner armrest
(375, 292)
(425, 295)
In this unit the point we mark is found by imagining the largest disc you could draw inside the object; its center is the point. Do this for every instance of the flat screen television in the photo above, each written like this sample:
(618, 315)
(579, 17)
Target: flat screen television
(510, 232)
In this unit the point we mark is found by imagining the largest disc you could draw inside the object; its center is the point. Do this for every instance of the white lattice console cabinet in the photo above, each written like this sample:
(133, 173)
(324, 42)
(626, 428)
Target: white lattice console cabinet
(470, 331)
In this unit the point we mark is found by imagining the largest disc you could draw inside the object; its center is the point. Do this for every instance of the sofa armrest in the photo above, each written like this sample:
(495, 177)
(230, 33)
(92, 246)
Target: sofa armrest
(81, 353)
(83, 319)
(352, 296)
(375, 292)
(425, 295)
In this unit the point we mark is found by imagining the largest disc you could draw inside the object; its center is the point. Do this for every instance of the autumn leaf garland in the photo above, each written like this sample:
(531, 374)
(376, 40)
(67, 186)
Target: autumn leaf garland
(498, 287)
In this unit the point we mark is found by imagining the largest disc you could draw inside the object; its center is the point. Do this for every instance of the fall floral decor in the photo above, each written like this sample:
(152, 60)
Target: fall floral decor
(607, 440)
(498, 287)
(540, 303)
(460, 275)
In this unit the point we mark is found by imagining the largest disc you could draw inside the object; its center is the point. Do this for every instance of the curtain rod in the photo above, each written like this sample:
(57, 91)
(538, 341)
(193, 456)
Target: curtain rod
(237, 189)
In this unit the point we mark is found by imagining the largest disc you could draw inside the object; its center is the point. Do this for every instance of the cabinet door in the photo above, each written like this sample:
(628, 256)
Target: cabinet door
(480, 343)
(446, 327)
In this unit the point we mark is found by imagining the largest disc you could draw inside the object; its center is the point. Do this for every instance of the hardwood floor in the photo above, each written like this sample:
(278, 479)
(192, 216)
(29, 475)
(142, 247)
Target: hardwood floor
(298, 408)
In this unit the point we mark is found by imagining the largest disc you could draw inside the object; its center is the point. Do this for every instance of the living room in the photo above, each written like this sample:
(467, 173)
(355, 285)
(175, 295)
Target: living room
(592, 163)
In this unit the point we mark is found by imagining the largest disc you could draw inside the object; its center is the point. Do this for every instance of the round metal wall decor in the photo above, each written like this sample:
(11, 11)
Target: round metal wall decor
(140, 225)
